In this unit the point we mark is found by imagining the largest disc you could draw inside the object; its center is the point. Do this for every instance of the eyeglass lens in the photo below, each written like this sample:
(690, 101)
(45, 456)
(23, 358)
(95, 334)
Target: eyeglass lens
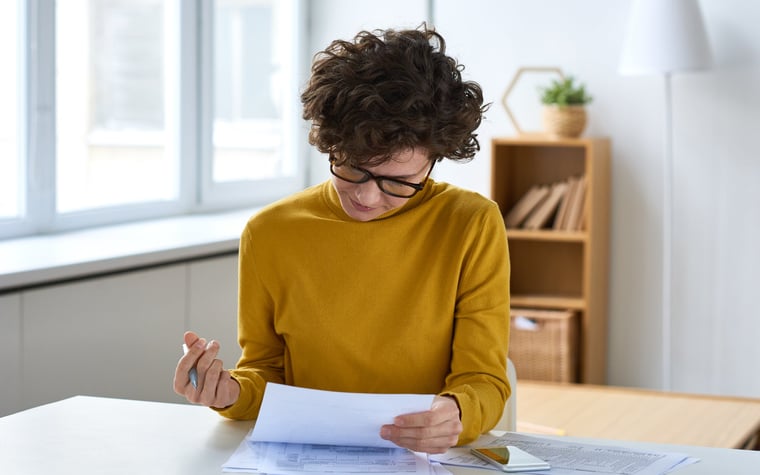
(387, 185)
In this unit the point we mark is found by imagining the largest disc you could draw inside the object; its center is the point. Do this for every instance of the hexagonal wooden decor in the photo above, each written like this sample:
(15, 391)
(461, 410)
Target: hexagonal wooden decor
(520, 72)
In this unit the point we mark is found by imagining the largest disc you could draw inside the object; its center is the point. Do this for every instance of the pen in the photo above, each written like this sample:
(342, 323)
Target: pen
(193, 372)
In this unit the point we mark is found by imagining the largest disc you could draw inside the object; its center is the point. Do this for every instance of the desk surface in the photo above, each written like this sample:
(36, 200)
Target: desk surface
(606, 412)
(85, 435)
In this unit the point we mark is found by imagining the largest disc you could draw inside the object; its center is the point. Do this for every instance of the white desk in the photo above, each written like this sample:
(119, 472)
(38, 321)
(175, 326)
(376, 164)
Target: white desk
(87, 435)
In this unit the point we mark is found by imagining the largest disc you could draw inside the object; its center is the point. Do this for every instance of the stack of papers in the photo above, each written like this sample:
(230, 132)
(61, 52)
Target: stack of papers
(278, 458)
(302, 431)
(572, 458)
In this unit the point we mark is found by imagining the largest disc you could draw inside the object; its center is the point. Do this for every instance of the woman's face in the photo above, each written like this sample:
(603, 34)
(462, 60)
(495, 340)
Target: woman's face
(366, 201)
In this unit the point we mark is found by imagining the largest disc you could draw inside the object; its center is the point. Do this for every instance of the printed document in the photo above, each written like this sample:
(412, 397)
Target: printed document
(572, 458)
(304, 430)
(300, 415)
(302, 459)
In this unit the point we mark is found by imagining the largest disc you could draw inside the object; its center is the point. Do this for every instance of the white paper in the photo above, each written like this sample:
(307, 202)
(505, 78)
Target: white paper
(273, 458)
(296, 459)
(309, 416)
(572, 458)
(246, 458)
(438, 469)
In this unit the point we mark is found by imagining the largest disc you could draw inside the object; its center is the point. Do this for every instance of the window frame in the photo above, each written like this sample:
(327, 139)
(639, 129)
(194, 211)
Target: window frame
(214, 195)
(191, 143)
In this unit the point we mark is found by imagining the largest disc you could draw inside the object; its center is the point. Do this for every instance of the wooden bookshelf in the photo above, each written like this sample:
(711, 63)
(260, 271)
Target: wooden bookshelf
(560, 269)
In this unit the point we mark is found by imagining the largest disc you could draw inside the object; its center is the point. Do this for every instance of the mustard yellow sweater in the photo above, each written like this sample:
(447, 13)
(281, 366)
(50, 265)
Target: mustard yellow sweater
(416, 301)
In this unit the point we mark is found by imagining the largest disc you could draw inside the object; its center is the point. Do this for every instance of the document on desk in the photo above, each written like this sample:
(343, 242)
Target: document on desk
(300, 415)
(573, 458)
(299, 459)
(303, 430)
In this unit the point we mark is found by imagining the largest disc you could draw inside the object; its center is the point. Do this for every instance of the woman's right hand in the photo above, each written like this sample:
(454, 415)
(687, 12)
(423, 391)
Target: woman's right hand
(216, 387)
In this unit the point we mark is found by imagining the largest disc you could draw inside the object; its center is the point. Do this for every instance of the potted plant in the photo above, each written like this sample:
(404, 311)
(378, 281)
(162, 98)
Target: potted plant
(564, 112)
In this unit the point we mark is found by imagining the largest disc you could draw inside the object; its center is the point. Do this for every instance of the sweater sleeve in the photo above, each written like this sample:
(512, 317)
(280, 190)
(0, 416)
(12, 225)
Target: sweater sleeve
(478, 377)
(262, 349)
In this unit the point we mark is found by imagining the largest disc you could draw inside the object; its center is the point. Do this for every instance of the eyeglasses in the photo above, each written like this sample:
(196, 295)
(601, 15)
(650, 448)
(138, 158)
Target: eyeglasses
(389, 186)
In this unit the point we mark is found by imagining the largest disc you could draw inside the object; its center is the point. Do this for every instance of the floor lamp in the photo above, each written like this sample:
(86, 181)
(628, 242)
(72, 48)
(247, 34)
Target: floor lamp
(665, 37)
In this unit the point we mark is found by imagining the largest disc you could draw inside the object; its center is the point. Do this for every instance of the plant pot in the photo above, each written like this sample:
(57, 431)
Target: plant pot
(564, 121)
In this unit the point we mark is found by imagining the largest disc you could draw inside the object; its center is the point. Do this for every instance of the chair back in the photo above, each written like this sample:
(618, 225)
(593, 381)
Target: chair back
(508, 419)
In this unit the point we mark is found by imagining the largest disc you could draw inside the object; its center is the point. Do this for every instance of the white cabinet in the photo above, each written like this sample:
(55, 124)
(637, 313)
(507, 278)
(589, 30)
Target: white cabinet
(117, 336)
(10, 353)
(212, 303)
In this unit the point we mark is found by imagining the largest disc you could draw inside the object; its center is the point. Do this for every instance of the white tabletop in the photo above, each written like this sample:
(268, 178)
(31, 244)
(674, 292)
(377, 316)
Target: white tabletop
(87, 435)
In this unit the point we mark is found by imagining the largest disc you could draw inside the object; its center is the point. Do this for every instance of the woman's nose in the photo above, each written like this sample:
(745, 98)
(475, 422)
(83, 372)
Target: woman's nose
(369, 192)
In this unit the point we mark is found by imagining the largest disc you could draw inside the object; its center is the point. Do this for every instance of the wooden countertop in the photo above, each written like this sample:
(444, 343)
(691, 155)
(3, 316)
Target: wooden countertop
(637, 414)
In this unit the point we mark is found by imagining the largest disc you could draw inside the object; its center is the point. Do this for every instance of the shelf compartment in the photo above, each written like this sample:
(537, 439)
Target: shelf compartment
(515, 169)
(546, 267)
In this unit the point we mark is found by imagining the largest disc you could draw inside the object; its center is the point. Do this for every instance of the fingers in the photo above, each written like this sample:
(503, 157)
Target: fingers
(220, 388)
(206, 360)
(203, 358)
(443, 409)
(195, 348)
(215, 386)
(208, 384)
(432, 440)
(190, 338)
(433, 431)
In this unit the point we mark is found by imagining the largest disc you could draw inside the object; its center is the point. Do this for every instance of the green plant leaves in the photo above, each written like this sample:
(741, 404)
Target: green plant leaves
(565, 93)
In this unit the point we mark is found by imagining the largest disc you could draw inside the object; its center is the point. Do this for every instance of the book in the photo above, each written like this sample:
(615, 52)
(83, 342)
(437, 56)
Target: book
(527, 203)
(541, 215)
(575, 211)
(561, 216)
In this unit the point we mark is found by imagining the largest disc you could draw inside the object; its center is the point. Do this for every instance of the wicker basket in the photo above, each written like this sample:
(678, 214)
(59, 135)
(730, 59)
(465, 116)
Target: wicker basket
(564, 121)
(543, 344)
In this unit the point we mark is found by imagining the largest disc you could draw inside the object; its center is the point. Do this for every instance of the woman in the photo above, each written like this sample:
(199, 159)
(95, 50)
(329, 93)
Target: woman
(378, 280)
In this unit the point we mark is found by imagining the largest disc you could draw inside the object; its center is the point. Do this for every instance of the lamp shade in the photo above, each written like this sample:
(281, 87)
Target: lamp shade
(665, 36)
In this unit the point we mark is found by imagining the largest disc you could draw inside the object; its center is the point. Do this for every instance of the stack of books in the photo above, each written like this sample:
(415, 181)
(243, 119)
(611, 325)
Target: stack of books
(557, 206)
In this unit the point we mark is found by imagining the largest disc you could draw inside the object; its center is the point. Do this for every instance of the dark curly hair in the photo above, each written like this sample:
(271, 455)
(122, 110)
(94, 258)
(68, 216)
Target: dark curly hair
(389, 91)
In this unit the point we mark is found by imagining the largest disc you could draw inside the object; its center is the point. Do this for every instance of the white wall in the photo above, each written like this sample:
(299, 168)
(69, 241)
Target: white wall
(716, 263)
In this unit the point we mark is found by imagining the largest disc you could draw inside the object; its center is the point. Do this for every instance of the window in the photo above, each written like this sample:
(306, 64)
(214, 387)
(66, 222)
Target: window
(246, 118)
(10, 92)
(145, 108)
(111, 104)
(255, 92)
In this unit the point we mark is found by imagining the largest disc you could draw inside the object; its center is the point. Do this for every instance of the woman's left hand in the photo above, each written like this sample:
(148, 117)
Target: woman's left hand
(433, 431)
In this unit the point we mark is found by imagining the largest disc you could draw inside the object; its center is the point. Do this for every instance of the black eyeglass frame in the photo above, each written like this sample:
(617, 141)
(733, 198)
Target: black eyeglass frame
(379, 179)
